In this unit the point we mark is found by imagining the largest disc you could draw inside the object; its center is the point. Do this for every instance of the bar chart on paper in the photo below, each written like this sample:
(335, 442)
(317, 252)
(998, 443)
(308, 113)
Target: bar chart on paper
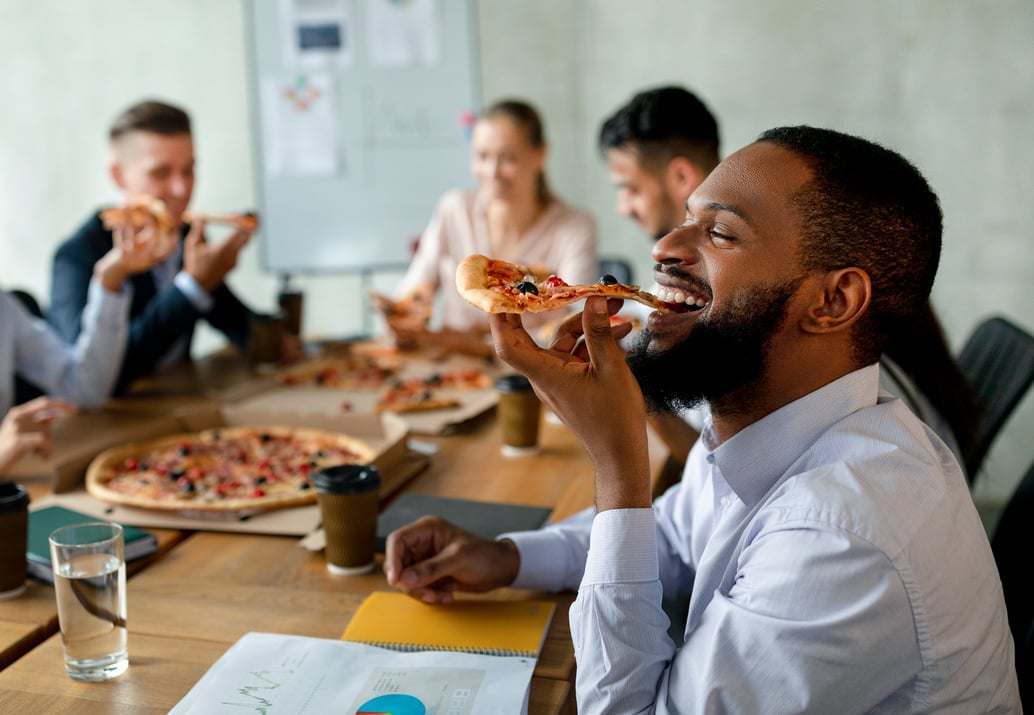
(394, 704)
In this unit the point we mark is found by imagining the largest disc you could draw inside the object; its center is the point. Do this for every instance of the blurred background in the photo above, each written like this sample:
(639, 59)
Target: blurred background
(948, 83)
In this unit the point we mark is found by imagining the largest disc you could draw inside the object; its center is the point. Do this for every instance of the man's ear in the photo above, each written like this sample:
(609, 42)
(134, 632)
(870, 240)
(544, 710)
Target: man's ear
(683, 177)
(841, 297)
(115, 172)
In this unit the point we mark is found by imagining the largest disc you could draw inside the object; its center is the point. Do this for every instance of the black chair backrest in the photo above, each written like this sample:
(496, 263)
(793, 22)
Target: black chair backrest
(1011, 546)
(28, 301)
(998, 361)
(23, 389)
(617, 267)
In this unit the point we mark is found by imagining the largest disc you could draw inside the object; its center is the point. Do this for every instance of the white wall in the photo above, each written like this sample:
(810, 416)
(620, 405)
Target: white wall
(946, 82)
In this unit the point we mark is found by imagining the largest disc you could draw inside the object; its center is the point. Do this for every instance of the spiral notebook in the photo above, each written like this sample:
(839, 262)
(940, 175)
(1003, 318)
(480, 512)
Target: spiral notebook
(395, 620)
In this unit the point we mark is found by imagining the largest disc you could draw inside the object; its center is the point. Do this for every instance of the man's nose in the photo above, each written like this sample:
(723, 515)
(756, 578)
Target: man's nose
(680, 245)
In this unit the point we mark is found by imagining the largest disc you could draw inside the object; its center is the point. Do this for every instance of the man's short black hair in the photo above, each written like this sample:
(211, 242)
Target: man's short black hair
(662, 123)
(868, 207)
(150, 116)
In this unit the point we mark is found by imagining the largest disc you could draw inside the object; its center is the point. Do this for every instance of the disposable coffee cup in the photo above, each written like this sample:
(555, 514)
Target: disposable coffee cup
(291, 305)
(348, 496)
(14, 529)
(520, 412)
(267, 336)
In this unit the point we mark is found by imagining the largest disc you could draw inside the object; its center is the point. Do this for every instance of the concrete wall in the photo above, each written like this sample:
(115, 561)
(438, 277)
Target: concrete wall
(946, 82)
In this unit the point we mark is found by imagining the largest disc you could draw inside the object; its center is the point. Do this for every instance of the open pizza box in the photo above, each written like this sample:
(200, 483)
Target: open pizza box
(337, 400)
(385, 433)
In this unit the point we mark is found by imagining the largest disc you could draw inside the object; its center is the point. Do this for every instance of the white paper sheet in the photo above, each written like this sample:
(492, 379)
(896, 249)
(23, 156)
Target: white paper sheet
(300, 128)
(270, 674)
(403, 33)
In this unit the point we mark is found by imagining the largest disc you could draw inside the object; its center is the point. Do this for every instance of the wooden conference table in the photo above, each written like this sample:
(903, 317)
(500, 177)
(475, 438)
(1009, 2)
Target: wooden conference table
(203, 590)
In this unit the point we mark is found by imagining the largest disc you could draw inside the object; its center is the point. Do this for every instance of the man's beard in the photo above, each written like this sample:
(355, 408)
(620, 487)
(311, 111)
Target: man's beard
(721, 355)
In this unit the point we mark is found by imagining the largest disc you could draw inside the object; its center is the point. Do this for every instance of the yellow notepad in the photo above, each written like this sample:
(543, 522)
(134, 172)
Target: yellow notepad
(395, 620)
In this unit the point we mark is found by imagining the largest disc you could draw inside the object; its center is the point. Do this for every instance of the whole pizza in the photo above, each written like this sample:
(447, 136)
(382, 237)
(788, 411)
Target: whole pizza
(225, 469)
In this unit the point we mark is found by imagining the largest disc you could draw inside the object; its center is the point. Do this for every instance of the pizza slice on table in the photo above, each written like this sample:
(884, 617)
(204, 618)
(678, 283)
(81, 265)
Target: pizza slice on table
(497, 286)
(422, 394)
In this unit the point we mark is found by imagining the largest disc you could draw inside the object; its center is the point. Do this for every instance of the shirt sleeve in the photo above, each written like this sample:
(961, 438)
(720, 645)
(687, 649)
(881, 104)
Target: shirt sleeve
(424, 266)
(83, 373)
(198, 296)
(802, 598)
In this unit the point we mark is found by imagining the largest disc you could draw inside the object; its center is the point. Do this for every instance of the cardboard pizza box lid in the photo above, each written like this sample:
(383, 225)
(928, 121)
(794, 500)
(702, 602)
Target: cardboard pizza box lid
(80, 437)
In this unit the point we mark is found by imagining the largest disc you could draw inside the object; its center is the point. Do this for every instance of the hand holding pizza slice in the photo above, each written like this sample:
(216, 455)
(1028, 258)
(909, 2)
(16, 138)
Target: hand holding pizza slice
(497, 286)
(143, 219)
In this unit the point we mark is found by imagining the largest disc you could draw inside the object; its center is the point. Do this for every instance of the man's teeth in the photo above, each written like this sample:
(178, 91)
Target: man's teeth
(670, 295)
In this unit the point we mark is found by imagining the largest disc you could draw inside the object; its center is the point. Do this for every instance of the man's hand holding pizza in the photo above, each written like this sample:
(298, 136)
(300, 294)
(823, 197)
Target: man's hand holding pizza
(584, 379)
(209, 263)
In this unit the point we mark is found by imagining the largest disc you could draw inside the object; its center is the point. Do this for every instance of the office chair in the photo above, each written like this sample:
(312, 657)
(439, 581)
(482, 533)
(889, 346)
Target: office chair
(998, 361)
(617, 267)
(1011, 547)
(25, 390)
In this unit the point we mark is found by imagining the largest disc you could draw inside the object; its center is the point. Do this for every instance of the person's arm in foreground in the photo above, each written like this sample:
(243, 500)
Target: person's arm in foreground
(26, 428)
(84, 373)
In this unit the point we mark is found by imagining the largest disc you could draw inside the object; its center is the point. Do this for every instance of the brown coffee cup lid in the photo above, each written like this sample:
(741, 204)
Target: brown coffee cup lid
(347, 479)
(513, 383)
(13, 497)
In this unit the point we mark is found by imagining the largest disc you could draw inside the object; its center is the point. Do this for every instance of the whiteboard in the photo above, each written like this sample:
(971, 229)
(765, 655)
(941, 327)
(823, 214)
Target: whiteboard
(354, 139)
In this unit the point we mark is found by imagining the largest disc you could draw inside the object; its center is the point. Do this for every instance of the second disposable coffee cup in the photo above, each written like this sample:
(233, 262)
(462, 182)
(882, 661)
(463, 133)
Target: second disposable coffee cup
(291, 305)
(519, 415)
(348, 496)
(267, 335)
(14, 529)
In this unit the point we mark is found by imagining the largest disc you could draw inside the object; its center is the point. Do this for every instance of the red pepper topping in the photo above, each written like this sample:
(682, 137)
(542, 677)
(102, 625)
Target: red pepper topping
(554, 282)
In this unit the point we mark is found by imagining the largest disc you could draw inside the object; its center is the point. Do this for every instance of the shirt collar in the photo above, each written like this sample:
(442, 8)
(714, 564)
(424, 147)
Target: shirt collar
(753, 459)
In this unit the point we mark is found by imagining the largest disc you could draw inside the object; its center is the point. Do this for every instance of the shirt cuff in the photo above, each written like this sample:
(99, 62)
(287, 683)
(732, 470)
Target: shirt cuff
(541, 567)
(622, 547)
(105, 306)
(197, 295)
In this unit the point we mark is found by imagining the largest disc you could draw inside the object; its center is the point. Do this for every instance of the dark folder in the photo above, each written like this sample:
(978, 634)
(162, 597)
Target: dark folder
(485, 519)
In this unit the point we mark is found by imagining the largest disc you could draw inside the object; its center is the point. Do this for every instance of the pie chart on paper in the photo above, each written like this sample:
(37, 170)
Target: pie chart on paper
(394, 704)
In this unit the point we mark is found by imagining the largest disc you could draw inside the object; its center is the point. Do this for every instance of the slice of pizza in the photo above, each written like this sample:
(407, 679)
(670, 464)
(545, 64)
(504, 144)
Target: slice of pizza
(247, 221)
(497, 286)
(407, 398)
(139, 213)
(410, 312)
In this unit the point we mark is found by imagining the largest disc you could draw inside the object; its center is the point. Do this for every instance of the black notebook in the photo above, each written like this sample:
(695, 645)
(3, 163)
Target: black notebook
(43, 521)
(485, 519)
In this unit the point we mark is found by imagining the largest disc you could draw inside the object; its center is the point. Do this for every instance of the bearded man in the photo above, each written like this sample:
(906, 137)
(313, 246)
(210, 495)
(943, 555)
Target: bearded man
(827, 537)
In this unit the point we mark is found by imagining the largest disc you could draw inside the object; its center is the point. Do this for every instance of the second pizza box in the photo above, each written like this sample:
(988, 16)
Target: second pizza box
(385, 433)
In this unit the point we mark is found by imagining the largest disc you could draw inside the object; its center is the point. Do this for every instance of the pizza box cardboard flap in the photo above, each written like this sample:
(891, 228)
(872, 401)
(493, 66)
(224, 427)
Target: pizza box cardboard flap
(385, 433)
(80, 437)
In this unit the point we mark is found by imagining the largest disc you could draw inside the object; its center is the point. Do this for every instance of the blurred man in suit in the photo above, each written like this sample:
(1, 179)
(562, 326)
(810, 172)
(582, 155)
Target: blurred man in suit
(152, 157)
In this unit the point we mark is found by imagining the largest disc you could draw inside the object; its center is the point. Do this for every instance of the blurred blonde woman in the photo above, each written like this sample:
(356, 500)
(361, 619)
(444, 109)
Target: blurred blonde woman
(513, 216)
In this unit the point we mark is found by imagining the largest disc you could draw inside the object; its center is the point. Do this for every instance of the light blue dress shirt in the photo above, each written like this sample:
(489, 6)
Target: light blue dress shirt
(168, 273)
(835, 561)
(83, 373)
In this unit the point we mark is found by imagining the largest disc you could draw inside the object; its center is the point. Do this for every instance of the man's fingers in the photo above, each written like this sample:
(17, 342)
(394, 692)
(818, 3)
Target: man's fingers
(599, 335)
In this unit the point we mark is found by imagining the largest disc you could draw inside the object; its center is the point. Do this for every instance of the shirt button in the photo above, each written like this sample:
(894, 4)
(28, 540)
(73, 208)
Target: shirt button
(726, 501)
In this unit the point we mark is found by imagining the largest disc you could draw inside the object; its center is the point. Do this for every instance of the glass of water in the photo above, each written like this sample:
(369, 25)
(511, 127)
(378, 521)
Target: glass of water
(90, 584)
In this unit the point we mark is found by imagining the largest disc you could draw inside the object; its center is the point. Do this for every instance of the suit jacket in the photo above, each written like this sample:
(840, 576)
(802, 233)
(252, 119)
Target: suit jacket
(157, 319)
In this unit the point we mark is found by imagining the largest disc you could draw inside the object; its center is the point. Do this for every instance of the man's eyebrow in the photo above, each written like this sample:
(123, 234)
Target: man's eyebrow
(731, 208)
